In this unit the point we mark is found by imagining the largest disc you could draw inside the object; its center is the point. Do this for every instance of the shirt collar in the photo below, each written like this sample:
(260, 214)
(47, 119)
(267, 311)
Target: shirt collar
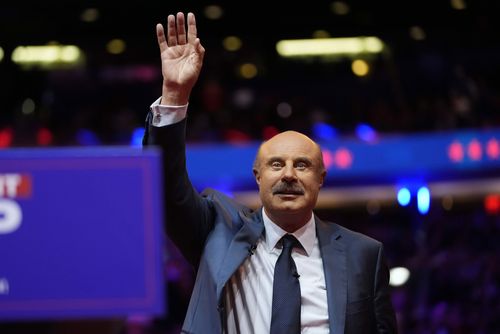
(273, 233)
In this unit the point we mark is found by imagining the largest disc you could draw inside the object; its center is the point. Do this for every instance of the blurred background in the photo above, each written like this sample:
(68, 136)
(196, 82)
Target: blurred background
(83, 73)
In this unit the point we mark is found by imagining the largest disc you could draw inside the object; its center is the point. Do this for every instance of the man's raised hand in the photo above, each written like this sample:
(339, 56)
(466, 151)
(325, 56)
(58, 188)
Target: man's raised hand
(181, 58)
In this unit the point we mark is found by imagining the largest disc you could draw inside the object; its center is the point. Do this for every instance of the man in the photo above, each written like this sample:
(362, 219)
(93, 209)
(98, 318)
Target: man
(340, 277)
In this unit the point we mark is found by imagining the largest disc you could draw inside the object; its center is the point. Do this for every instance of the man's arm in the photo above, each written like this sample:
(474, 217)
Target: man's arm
(188, 215)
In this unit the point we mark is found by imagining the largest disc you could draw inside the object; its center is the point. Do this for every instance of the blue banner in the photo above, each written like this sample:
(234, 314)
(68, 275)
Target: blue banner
(426, 156)
(80, 233)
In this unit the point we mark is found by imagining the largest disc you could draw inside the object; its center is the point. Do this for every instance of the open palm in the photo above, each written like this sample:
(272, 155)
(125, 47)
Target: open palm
(181, 55)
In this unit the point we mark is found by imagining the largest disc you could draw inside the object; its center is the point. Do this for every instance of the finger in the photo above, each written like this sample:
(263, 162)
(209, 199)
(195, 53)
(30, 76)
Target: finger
(199, 48)
(191, 33)
(160, 35)
(171, 31)
(181, 29)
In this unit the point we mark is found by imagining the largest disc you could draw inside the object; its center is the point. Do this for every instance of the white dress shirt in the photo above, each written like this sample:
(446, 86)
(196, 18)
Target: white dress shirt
(249, 292)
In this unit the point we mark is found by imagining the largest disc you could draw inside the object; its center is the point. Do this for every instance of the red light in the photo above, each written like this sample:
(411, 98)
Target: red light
(235, 136)
(328, 159)
(474, 150)
(456, 151)
(44, 137)
(493, 149)
(492, 204)
(343, 158)
(6, 137)
(269, 132)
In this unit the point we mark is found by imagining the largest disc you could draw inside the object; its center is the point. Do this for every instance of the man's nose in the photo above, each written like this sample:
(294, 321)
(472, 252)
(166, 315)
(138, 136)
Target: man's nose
(289, 173)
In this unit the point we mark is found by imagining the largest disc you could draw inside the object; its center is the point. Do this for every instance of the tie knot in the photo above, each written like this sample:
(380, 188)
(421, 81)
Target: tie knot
(289, 241)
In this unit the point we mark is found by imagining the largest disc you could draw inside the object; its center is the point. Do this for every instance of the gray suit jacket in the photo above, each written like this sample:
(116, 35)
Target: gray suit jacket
(216, 235)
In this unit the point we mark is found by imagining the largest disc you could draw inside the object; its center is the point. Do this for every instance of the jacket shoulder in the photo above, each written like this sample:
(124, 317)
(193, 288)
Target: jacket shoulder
(226, 206)
(351, 237)
(357, 236)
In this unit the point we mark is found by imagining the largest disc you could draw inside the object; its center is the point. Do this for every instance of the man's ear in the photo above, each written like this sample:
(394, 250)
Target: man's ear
(322, 178)
(256, 174)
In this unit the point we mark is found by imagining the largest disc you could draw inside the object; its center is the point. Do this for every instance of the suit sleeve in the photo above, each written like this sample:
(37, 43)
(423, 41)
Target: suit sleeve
(188, 216)
(384, 313)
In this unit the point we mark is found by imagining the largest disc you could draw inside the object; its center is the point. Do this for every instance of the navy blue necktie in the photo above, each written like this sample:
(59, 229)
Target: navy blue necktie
(286, 291)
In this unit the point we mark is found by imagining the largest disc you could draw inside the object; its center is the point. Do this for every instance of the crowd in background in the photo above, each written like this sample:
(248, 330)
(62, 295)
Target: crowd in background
(103, 105)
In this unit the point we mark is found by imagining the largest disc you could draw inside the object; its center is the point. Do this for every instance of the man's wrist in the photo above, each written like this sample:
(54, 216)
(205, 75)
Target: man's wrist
(173, 97)
(164, 115)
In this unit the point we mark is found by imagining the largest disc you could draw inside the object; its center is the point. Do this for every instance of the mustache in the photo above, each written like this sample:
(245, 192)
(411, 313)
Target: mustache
(287, 188)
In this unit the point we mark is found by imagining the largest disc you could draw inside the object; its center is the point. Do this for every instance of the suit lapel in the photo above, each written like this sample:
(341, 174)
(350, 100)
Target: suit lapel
(241, 246)
(335, 266)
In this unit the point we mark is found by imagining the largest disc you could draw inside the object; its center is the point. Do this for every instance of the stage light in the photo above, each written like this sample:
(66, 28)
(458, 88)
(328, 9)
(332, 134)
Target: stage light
(86, 137)
(243, 98)
(248, 70)
(328, 158)
(456, 151)
(137, 134)
(321, 34)
(492, 204)
(360, 67)
(28, 106)
(284, 110)
(458, 4)
(324, 131)
(48, 56)
(417, 33)
(404, 196)
(89, 15)
(232, 43)
(474, 150)
(6, 137)
(366, 133)
(493, 149)
(44, 137)
(329, 46)
(213, 12)
(340, 8)
(116, 46)
(343, 158)
(399, 276)
(423, 200)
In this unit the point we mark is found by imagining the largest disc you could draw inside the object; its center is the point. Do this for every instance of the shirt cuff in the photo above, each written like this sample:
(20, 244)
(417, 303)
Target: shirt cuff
(166, 115)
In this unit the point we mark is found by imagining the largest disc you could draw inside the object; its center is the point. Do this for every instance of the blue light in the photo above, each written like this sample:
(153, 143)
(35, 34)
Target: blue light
(423, 200)
(404, 197)
(366, 132)
(323, 131)
(137, 135)
(86, 137)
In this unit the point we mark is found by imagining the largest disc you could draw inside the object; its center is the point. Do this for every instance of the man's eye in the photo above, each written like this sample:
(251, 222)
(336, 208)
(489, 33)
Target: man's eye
(276, 164)
(301, 165)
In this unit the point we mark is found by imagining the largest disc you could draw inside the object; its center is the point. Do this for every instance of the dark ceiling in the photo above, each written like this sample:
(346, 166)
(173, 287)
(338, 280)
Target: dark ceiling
(258, 23)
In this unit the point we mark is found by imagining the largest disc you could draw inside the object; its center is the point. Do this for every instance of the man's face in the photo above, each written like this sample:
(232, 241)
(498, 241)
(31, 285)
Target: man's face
(290, 173)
